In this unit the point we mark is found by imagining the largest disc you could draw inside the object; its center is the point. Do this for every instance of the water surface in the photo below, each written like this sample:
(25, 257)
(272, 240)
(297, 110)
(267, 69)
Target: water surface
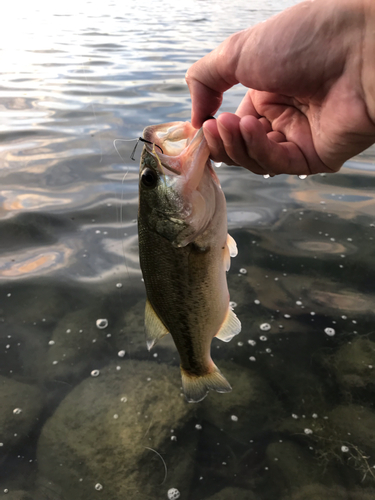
(86, 411)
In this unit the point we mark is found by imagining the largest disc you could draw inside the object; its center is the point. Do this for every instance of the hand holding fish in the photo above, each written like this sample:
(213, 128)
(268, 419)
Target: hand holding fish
(311, 100)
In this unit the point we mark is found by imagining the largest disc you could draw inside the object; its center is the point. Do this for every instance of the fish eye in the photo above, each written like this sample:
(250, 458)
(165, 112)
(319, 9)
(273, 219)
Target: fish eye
(149, 178)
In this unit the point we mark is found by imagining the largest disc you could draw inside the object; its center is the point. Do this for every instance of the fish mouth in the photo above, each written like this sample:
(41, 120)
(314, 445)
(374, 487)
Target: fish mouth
(172, 138)
(180, 148)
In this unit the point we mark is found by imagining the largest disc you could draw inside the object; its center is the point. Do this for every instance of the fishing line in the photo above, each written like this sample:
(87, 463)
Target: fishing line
(162, 459)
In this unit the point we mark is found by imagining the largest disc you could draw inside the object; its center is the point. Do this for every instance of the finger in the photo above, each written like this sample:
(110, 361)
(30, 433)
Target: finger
(294, 125)
(215, 143)
(229, 129)
(274, 157)
(205, 101)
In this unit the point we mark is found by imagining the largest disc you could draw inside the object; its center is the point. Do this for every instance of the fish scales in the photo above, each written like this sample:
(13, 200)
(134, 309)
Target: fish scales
(184, 253)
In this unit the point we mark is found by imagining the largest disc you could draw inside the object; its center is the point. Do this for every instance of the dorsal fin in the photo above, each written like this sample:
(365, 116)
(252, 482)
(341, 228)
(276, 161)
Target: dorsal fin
(154, 327)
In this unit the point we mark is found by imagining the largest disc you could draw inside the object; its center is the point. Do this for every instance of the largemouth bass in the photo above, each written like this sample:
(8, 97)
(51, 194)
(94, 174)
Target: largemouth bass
(185, 252)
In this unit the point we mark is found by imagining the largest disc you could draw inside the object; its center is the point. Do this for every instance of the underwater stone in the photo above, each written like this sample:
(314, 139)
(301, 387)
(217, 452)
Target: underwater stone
(320, 492)
(122, 453)
(233, 494)
(353, 364)
(14, 427)
(251, 401)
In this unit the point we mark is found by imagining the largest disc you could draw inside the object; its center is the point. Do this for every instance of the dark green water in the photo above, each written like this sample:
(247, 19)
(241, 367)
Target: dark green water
(79, 417)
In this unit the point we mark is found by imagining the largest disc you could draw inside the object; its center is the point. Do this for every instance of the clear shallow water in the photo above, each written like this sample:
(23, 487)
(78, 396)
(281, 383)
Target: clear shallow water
(299, 422)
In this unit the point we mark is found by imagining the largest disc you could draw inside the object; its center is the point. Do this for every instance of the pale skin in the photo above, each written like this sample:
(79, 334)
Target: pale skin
(310, 103)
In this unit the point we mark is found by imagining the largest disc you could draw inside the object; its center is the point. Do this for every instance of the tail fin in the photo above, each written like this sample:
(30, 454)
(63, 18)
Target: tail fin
(196, 387)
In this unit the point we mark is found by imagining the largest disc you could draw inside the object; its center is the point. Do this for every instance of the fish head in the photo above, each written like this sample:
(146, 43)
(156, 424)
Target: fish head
(177, 184)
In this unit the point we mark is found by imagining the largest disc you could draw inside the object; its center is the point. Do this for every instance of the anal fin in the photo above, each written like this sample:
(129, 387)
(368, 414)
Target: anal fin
(231, 326)
(196, 387)
(154, 327)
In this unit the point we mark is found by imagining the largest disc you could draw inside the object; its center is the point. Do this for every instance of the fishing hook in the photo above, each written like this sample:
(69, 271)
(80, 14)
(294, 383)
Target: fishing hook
(143, 140)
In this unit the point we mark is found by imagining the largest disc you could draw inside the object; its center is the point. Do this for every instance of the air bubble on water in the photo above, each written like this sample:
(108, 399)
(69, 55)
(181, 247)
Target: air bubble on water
(95, 373)
(234, 418)
(344, 317)
(101, 323)
(243, 270)
(350, 239)
(173, 494)
(118, 285)
(263, 338)
(314, 415)
(299, 303)
(51, 342)
(302, 177)
(266, 176)
(121, 354)
(294, 416)
(173, 438)
(252, 358)
(17, 411)
(330, 331)
(265, 327)
(115, 416)
(155, 354)
(268, 350)
(344, 449)
(6, 490)
(308, 431)
(287, 316)
(198, 427)
(312, 313)
(54, 362)
(251, 342)
(1, 445)
(98, 487)
(98, 231)
(232, 304)
(257, 302)
(123, 399)
(240, 344)
(217, 164)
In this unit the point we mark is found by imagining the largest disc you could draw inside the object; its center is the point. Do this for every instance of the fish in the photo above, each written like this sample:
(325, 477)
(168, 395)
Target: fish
(185, 252)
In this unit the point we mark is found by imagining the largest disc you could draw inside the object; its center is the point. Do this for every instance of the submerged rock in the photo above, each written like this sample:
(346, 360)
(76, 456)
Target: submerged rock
(21, 405)
(16, 495)
(320, 492)
(247, 411)
(354, 364)
(293, 466)
(112, 433)
(233, 494)
(75, 346)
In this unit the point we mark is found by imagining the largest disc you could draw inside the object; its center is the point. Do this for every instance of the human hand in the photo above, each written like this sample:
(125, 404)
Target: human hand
(311, 100)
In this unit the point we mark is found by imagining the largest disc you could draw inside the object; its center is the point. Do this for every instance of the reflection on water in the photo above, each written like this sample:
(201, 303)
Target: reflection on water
(86, 410)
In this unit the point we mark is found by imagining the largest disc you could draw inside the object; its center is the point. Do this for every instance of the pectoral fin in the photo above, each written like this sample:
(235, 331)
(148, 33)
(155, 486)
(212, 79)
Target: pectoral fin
(154, 327)
(230, 327)
(232, 245)
(230, 251)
